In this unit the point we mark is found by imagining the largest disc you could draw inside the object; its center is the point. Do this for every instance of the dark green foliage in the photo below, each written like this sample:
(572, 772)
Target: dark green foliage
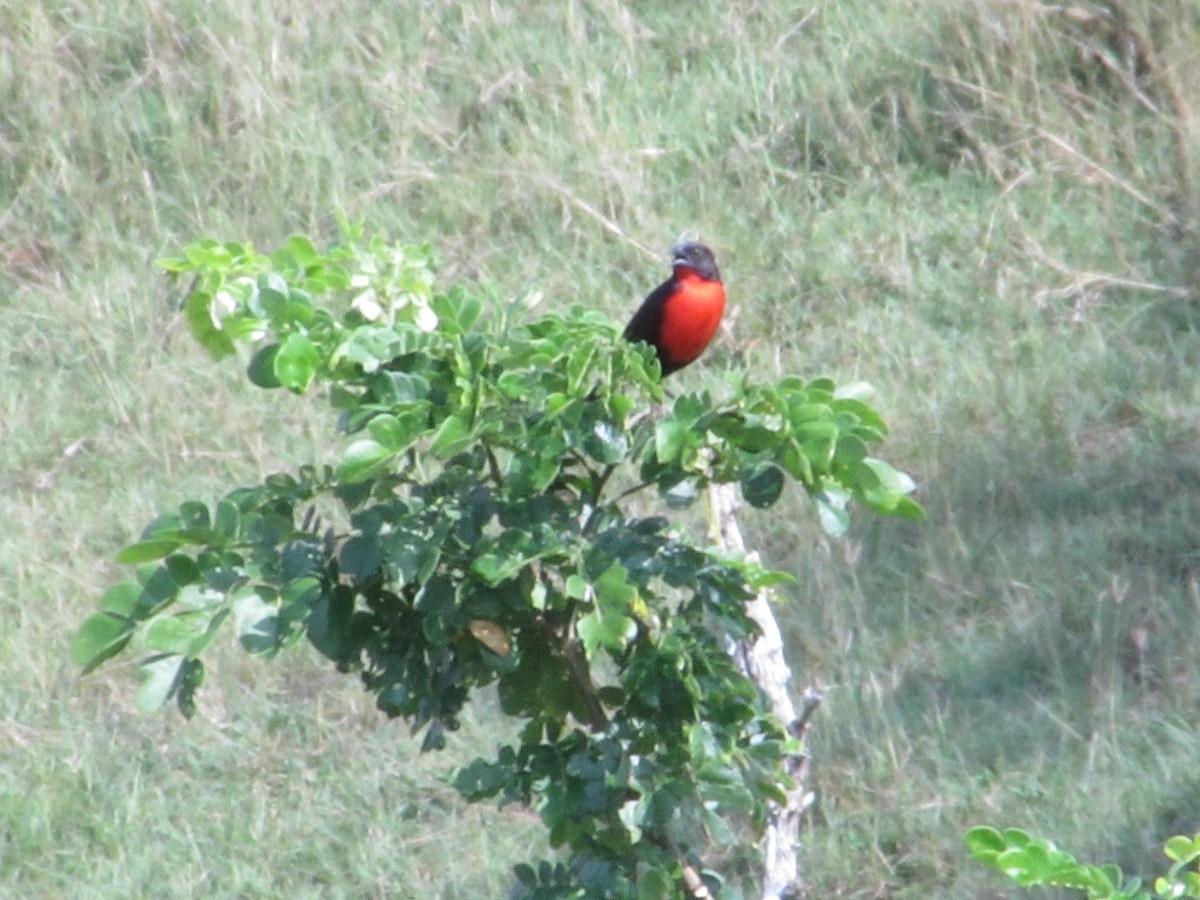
(477, 528)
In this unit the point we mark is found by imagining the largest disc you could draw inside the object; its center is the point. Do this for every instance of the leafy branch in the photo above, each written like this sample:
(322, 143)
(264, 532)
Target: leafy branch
(476, 529)
(1032, 862)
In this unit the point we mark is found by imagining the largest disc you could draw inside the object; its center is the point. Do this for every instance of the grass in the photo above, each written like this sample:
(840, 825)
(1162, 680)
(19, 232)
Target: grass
(985, 209)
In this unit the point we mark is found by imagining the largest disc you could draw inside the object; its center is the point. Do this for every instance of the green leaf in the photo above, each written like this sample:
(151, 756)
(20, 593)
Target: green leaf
(851, 449)
(122, 599)
(297, 361)
(791, 457)
(985, 843)
(481, 779)
(159, 589)
(1182, 849)
(818, 442)
(762, 485)
(397, 432)
(174, 264)
(893, 481)
(228, 521)
(329, 621)
(749, 433)
(256, 623)
(363, 459)
(612, 632)
(670, 437)
(361, 556)
(272, 298)
(606, 444)
(435, 737)
(831, 511)
(681, 494)
(148, 551)
(175, 633)
(101, 637)
(907, 508)
(656, 884)
(197, 309)
(190, 679)
(162, 676)
(403, 388)
(494, 569)
(609, 624)
(301, 250)
(261, 369)
(824, 385)
(800, 412)
(452, 437)
(182, 569)
(469, 312)
(199, 598)
(209, 254)
(538, 685)
(193, 515)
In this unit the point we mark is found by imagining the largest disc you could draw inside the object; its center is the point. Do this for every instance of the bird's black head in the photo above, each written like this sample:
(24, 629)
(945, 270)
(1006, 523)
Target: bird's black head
(695, 256)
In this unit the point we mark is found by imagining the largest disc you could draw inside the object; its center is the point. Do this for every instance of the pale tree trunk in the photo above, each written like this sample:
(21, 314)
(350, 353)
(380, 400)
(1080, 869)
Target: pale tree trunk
(762, 660)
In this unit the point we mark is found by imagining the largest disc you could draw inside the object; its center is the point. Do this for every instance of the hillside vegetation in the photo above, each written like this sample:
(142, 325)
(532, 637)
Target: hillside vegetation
(989, 210)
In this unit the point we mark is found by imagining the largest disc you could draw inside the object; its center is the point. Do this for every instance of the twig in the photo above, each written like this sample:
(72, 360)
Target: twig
(1088, 280)
(493, 465)
(1111, 178)
(798, 27)
(605, 222)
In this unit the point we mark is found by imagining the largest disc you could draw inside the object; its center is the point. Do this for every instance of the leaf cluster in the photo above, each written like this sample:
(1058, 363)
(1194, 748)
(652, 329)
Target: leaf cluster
(1033, 861)
(479, 527)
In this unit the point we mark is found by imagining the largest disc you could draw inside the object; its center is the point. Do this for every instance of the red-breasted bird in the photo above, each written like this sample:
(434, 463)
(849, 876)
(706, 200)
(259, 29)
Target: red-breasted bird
(681, 315)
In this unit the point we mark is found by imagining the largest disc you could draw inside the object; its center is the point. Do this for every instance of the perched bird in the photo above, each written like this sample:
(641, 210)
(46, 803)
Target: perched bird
(681, 315)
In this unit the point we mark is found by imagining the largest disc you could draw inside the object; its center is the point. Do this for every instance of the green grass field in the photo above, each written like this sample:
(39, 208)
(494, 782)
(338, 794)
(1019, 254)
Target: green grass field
(989, 209)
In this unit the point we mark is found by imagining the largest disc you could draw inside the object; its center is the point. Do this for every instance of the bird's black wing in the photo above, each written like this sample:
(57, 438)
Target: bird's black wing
(646, 324)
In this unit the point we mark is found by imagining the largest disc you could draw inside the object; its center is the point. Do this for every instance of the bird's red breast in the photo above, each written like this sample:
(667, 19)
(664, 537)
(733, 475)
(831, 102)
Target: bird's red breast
(691, 316)
(680, 317)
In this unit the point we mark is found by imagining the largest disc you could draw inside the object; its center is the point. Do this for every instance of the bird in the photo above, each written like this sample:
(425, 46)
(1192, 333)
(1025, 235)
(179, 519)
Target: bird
(680, 316)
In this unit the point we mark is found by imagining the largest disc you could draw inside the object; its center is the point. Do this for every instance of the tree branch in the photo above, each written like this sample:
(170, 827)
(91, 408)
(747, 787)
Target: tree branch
(493, 465)
(581, 677)
(693, 884)
(578, 671)
(763, 662)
